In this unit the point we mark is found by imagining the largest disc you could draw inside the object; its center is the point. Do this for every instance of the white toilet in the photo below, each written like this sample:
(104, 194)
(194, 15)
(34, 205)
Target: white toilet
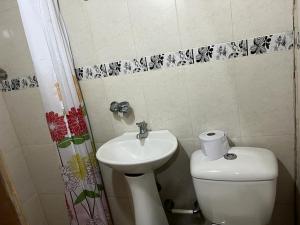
(239, 190)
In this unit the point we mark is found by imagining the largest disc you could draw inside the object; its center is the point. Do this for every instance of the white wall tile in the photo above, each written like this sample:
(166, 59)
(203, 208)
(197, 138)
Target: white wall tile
(154, 25)
(166, 102)
(20, 175)
(177, 186)
(8, 137)
(13, 43)
(28, 116)
(121, 211)
(33, 211)
(7, 4)
(186, 101)
(55, 209)
(79, 30)
(254, 18)
(189, 145)
(98, 110)
(43, 163)
(212, 98)
(204, 22)
(111, 29)
(298, 15)
(265, 93)
(298, 82)
(126, 88)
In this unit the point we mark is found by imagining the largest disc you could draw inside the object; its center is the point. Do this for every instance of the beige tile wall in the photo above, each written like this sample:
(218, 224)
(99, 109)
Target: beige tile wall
(17, 169)
(297, 64)
(180, 100)
(25, 145)
(26, 110)
(250, 98)
(14, 57)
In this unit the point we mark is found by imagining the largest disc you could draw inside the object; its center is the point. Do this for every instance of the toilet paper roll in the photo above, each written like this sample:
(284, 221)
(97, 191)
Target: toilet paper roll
(214, 144)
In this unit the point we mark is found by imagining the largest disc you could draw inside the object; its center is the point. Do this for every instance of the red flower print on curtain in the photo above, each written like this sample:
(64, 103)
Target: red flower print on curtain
(68, 123)
(76, 122)
(57, 126)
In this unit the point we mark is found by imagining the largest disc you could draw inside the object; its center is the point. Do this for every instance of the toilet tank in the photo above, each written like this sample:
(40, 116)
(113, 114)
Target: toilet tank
(237, 191)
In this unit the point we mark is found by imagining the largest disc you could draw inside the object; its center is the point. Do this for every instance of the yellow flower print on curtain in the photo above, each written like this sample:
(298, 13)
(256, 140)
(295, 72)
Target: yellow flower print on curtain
(77, 165)
(65, 111)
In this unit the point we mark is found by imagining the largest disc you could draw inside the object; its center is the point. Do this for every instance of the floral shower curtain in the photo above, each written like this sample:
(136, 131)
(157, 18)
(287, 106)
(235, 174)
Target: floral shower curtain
(65, 111)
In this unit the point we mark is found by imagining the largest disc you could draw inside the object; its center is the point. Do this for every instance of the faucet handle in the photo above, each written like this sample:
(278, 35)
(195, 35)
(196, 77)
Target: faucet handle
(142, 124)
(114, 106)
(124, 107)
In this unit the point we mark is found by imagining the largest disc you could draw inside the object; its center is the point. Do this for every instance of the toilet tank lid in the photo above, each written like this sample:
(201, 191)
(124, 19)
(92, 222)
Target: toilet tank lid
(251, 164)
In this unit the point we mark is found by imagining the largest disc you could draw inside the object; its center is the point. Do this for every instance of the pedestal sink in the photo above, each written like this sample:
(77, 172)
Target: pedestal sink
(137, 159)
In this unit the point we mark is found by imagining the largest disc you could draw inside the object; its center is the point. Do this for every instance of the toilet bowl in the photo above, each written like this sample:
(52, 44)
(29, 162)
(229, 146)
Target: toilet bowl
(239, 189)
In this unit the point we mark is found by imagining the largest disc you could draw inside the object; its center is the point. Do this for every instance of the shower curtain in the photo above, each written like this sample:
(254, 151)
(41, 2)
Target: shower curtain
(65, 112)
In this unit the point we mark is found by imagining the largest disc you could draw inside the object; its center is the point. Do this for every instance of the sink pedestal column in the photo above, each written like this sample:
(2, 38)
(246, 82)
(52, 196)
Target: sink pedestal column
(148, 209)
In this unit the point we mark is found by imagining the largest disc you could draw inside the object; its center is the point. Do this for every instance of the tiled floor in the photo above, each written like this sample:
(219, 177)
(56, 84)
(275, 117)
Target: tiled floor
(8, 214)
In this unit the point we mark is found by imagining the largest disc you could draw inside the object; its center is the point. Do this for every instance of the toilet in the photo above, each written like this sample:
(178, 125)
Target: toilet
(237, 189)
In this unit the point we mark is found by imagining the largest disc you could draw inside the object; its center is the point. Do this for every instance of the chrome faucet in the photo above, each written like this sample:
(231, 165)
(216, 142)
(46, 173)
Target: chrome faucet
(143, 130)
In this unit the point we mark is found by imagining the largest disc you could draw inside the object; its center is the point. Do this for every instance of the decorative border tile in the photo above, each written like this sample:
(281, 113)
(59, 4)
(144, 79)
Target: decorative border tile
(113, 68)
(19, 83)
(134, 66)
(155, 62)
(271, 43)
(139, 65)
(230, 50)
(223, 51)
(204, 54)
(180, 58)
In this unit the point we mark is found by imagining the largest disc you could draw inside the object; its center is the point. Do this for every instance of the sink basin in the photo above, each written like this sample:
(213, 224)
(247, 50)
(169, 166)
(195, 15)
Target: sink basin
(127, 154)
(137, 159)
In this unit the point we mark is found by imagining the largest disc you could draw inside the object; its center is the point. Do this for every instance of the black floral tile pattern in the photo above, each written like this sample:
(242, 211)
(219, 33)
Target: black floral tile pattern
(79, 73)
(260, 45)
(238, 48)
(282, 42)
(230, 50)
(134, 66)
(91, 72)
(204, 54)
(99, 71)
(222, 51)
(18, 83)
(5, 85)
(126, 67)
(180, 58)
(139, 65)
(114, 68)
(155, 62)
(271, 43)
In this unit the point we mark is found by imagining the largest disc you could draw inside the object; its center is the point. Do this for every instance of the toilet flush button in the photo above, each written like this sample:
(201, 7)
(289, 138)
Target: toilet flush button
(230, 156)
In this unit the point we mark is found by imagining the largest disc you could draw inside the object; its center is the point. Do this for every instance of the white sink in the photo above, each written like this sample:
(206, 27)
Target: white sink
(137, 159)
(127, 154)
